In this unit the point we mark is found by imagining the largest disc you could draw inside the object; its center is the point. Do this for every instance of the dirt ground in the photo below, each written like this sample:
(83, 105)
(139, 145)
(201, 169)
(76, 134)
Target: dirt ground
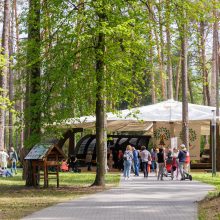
(209, 208)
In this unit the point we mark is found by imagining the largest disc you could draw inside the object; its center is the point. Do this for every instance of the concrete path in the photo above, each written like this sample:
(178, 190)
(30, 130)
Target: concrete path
(137, 199)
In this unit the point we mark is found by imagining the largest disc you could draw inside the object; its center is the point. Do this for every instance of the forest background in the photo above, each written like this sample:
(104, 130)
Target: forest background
(65, 59)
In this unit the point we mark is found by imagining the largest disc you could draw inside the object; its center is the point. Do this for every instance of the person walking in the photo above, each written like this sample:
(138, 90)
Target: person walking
(182, 159)
(128, 157)
(145, 157)
(14, 159)
(161, 163)
(176, 162)
(136, 161)
(153, 159)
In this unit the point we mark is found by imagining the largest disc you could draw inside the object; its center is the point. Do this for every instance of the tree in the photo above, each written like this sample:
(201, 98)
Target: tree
(101, 136)
(169, 55)
(183, 37)
(4, 72)
(33, 102)
(206, 95)
(11, 76)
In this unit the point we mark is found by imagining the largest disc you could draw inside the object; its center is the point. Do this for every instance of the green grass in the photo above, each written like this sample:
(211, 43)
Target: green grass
(17, 201)
(209, 207)
(207, 178)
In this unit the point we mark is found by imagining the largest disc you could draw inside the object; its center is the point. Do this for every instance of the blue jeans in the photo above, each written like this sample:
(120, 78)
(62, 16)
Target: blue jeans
(153, 165)
(14, 167)
(136, 167)
(144, 164)
(127, 168)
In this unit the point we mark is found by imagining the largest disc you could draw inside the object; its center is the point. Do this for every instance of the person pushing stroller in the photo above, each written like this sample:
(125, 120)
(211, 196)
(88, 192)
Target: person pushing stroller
(184, 160)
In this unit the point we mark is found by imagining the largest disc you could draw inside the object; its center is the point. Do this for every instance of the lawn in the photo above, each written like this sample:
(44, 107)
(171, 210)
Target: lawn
(209, 208)
(17, 201)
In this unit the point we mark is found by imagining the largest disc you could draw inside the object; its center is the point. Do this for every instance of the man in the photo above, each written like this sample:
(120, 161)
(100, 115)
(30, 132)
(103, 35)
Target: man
(14, 158)
(145, 157)
(136, 161)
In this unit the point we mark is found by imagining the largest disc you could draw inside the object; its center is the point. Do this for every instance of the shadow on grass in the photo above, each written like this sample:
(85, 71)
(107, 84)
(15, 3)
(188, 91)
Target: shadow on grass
(17, 200)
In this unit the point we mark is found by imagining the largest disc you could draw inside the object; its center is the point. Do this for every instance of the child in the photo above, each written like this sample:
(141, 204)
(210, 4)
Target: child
(5, 172)
(64, 166)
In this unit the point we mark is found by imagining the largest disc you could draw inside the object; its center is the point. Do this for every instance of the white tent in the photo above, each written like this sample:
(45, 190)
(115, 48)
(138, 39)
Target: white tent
(142, 118)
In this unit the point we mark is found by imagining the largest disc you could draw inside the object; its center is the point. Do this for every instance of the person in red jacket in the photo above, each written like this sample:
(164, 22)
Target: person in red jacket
(64, 166)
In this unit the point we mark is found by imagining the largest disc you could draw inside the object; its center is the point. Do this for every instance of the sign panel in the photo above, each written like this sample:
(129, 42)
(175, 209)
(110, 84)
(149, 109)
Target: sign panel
(38, 152)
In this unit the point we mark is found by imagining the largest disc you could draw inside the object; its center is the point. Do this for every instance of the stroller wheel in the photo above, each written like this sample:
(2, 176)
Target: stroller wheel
(190, 177)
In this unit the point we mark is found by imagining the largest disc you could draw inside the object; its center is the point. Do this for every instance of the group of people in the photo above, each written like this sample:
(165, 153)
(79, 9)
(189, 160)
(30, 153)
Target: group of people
(156, 161)
(5, 158)
(71, 164)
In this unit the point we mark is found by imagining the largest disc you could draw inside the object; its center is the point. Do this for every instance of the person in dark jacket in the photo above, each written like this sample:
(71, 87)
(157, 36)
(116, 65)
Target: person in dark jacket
(160, 158)
(182, 160)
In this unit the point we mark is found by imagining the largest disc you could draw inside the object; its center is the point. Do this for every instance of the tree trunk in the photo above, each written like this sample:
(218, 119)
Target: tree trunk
(185, 121)
(101, 146)
(163, 75)
(11, 77)
(217, 152)
(217, 130)
(178, 71)
(190, 89)
(214, 67)
(20, 86)
(32, 116)
(4, 73)
(205, 83)
(169, 62)
(153, 86)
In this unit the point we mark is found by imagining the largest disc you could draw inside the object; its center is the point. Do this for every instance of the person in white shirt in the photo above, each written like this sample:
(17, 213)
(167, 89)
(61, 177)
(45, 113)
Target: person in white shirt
(4, 159)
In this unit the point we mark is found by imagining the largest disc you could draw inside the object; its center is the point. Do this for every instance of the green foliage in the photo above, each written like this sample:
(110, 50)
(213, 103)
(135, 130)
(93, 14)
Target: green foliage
(68, 50)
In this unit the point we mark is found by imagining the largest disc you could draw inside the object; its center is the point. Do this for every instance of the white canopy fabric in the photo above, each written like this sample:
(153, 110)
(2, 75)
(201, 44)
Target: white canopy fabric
(141, 118)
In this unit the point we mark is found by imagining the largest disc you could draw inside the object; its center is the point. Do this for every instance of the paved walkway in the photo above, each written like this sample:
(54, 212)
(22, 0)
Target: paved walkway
(137, 199)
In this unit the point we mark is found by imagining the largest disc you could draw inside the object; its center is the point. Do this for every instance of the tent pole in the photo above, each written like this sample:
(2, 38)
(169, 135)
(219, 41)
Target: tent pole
(154, 129)
(213, 138)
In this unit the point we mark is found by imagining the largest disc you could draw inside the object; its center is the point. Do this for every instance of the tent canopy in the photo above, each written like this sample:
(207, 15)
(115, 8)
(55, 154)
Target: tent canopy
(141, 118)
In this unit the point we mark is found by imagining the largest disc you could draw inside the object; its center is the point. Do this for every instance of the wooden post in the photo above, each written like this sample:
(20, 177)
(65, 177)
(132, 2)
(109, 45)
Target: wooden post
(154, 129)
(34, 172)
(58, 176)
(45, 173)
(72, 144)
(217, 148)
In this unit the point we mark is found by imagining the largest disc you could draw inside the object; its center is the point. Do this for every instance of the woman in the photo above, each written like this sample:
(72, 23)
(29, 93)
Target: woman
(161, 162)
(128, 157)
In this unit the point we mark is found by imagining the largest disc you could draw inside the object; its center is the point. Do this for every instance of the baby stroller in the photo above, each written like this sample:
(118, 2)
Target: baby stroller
(170, 168)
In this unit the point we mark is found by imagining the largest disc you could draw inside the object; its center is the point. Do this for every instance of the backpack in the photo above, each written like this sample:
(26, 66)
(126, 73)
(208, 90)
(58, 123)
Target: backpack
(126, 156)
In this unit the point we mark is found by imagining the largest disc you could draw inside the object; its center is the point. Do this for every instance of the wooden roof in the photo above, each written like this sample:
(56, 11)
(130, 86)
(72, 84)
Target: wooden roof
(42, 150)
